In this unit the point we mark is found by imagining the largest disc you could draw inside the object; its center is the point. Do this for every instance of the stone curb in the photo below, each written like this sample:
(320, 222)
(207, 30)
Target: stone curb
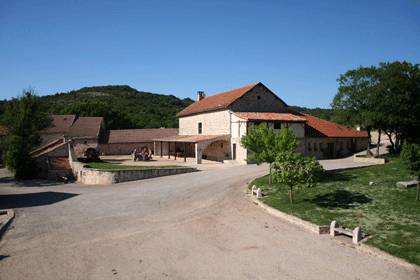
(367, 249)
(292, 219)
(9, 217)
(364, 248)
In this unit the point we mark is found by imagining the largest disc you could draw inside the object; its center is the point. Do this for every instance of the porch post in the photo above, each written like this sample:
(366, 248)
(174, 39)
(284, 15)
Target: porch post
(154, 148)
(175, 150)
(169, 150)
(197, 154)
(185, 152)
(161, 144)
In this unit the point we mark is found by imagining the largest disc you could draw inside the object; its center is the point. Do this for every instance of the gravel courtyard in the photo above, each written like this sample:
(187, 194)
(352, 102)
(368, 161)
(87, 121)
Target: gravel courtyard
(190, 226)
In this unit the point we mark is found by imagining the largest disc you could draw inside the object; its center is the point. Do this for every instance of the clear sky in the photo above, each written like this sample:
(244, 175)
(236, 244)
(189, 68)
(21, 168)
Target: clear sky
(296, 48)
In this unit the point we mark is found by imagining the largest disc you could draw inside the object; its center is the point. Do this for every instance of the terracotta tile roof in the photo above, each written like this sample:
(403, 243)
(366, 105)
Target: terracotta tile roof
(193, 138)
(86, 127)
(256, 116)
(60, 124)
(216, 102)
(317, 127)
(138, 135)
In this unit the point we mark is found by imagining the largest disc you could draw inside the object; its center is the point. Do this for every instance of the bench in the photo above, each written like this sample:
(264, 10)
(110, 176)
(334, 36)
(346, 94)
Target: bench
(407, 184)
(355, 234)
(256, 191)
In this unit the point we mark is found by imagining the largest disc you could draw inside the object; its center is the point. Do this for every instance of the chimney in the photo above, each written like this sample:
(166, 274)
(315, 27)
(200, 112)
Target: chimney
(200, 95)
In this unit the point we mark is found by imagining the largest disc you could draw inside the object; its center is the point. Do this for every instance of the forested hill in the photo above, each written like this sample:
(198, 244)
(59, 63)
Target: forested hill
(323, 113)
(125, 107)
(121, 106)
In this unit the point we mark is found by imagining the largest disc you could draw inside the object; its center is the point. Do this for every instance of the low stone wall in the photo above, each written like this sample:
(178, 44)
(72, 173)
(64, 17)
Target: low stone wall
(371, 160)
(92, 176)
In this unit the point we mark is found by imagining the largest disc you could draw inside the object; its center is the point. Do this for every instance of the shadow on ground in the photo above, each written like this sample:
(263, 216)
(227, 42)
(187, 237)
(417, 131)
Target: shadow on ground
(340, 199)
(32, 199)
(336, 175)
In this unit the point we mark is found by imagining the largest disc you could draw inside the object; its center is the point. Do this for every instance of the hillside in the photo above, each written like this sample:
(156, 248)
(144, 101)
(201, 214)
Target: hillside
(323, 113)
(125, 107)
(121, 106)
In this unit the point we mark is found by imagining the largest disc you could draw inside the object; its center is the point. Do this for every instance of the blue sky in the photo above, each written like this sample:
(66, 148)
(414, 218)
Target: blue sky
(296, 48)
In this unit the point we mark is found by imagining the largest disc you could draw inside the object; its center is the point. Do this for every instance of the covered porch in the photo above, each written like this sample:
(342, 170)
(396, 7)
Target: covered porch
(199, 147)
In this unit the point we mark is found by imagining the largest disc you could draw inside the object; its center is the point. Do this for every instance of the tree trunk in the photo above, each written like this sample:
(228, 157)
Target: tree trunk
(270, 178)
(389, 134)
(368, 145)
(291, 194)
(378, 144)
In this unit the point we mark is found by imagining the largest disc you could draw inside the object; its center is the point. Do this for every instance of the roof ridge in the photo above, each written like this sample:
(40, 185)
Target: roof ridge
(209, 103)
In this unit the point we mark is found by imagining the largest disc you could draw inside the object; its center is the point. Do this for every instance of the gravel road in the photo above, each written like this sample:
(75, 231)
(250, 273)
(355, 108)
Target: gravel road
(190, 226)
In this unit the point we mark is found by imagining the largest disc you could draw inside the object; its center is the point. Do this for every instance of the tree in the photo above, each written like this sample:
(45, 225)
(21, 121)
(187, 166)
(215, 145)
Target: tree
(411, 156)
(386, 98)
(355, 100)
(292, 168)
(24, 117)
(261, 141)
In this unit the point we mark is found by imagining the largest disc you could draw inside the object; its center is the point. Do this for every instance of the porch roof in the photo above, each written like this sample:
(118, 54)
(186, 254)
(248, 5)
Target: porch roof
(270, 116)
(193, 138)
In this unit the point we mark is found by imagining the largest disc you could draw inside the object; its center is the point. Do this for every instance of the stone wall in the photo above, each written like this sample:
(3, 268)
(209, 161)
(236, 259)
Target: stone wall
(91, 176)
(123, 148)
(259, 99)
(213, 123)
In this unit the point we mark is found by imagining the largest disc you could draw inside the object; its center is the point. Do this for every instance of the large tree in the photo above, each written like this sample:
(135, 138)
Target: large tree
(385, 98)
(25, 117)
(354, 101)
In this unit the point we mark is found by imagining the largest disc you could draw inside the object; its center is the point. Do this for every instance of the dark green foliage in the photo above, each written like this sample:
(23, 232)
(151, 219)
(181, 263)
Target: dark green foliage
(411, 156)
(121, 106)
(323, 113)
(24, 117)
(386, 98)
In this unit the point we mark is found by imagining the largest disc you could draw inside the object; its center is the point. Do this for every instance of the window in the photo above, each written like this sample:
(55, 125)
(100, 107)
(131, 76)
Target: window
(321, 146)
(315, 147)
(258, 97)
(200, 128)
(277, 125)
(309, 147)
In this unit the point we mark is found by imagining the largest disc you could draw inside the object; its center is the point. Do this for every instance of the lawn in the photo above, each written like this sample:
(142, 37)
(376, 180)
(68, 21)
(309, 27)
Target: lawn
(389, 214)
(116, 166)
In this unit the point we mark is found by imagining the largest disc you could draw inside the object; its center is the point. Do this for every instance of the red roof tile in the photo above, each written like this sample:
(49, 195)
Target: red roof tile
(139, 135)
(256, 116)
(86, 127)
(216, 102)
(317, 127)
(60, 124)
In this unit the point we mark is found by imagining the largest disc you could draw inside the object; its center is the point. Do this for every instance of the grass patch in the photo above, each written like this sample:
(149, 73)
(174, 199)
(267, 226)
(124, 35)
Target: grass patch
(388, 213)
(116, 166)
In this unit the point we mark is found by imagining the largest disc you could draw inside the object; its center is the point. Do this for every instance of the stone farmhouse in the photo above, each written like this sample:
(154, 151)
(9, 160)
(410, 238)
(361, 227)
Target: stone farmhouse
(211, 128)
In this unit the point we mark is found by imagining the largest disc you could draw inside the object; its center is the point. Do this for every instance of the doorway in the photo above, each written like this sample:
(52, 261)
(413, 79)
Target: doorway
(233, 151)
